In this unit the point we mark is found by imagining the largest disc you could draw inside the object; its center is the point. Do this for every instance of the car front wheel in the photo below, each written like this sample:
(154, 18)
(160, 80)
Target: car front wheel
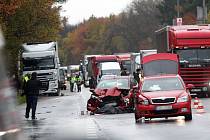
(188, 117)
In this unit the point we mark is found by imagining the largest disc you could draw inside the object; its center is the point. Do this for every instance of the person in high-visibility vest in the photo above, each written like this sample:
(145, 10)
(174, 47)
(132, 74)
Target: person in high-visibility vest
(72, 82)
(32, 88)
(25, 79)
(78, 80)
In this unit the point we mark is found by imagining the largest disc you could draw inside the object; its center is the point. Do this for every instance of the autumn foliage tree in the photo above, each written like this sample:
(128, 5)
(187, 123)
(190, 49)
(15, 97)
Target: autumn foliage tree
(129, 31)
(85, 39)
(27, 21)
(187, 8)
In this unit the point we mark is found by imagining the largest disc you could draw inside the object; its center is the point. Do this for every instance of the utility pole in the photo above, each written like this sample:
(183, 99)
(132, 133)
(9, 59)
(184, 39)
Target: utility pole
(178, 8)
(204, 11)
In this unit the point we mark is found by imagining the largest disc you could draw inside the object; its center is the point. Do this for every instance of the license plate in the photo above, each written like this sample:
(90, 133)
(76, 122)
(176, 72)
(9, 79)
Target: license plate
(169, 107)
(196, 90)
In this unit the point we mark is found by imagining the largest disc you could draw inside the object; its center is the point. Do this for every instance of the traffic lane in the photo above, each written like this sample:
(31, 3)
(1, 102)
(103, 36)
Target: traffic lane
(60, 118)
(206, 104)
(123, 127)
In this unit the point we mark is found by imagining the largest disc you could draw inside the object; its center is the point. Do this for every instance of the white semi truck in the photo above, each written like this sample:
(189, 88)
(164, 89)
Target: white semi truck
(43, 59)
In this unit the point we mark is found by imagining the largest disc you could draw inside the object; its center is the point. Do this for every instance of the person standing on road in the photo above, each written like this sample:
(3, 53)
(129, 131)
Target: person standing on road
(78, 81)
(72, 82)
(137, 75)
(32, 91)
(25, 79)
(92, 83)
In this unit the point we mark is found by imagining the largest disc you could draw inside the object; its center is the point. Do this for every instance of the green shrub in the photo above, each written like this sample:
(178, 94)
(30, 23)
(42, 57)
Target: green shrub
(21, 99)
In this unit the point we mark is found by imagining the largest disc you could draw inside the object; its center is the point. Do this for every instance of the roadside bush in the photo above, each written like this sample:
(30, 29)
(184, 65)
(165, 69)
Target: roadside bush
(20, 99)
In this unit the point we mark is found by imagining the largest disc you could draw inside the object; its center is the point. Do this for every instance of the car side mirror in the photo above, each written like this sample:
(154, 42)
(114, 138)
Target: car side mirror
(190, 86)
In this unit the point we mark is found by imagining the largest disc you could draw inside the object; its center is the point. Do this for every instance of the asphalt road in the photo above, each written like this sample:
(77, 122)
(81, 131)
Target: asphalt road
(61, 118)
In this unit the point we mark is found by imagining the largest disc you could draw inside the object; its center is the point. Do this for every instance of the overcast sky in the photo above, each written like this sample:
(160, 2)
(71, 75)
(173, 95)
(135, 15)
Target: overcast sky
(77, 10)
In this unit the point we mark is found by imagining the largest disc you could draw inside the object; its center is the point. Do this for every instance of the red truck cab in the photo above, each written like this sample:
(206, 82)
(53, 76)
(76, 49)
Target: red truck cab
(95, 63)
(125, 61)
(192, 44)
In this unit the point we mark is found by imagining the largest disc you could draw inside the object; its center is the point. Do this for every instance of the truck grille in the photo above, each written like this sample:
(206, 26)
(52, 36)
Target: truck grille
(199, 77)
(167, 100)
(45, 76)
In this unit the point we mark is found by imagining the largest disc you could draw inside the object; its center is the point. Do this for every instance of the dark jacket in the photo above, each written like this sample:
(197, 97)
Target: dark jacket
(92, 83)
(124, 73)
(136, 76)
(32, 87)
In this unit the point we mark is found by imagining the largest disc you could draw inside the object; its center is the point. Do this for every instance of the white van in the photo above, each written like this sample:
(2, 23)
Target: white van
(109, 68)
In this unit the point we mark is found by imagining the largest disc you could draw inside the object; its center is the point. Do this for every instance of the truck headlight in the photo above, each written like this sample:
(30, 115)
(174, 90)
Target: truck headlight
(182, 99)
(209, 83)
(55, 75)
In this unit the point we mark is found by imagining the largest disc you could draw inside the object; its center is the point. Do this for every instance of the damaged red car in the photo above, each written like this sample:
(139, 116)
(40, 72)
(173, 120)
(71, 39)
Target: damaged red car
(112, 95)
(162, 92)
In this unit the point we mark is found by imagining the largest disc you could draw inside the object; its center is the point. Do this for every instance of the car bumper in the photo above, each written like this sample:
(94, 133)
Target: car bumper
(150, 111)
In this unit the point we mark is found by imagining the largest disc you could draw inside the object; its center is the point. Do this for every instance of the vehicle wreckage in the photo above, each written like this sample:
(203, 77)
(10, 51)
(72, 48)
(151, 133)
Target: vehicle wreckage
(112, 95)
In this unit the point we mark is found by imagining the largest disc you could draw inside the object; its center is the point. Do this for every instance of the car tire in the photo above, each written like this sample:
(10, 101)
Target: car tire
(92, 113)
(188, 117)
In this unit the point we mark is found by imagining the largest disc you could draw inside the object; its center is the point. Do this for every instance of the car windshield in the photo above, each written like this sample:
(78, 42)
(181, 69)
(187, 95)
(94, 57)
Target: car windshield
(111, 83)
(38, 64)
(162, 84)
(195, 56)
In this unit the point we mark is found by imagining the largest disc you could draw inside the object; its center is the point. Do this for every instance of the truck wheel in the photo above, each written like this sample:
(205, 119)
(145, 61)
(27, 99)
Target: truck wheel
(188, 117)
(58, 92)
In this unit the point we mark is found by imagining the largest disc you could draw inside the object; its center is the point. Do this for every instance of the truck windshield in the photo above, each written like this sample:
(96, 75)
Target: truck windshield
(38, 64)
(194, 56)
(127, 64)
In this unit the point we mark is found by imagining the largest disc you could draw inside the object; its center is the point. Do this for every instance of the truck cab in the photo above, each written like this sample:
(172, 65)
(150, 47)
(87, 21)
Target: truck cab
(192, 44)
(42, 58)
(96, 61)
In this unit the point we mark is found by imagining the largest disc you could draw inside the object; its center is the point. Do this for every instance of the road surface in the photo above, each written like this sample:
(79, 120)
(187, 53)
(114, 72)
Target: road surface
(65, 118)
